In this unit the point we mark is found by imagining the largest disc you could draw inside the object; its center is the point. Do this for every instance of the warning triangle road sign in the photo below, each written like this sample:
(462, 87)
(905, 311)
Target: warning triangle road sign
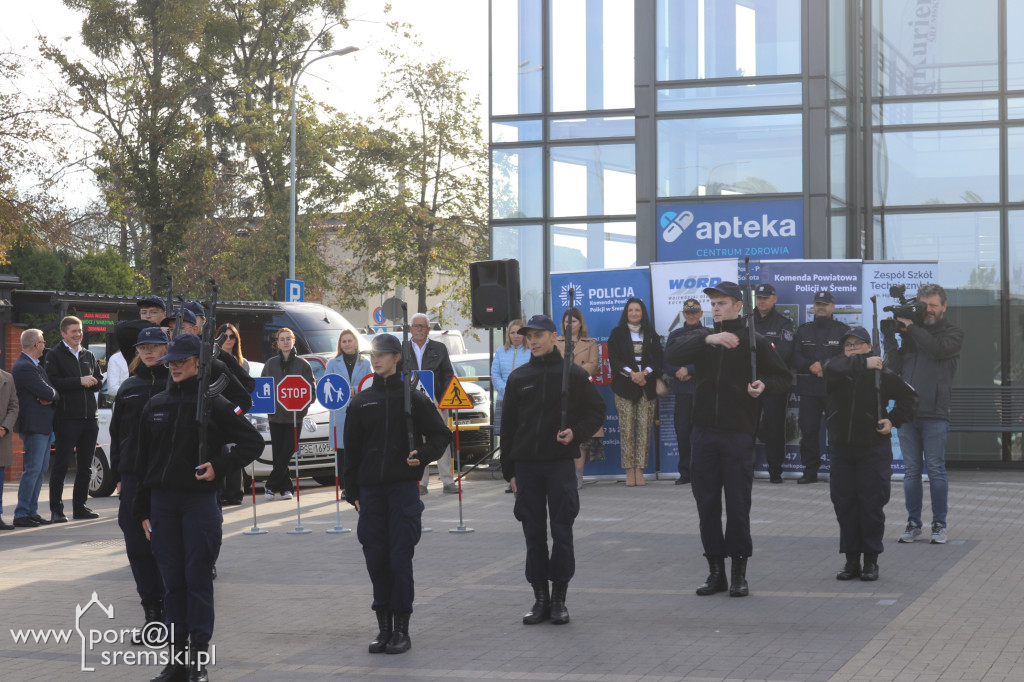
(455, 397)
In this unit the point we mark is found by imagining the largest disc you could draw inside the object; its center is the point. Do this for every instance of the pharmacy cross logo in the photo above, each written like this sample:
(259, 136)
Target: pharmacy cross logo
(577, 299)
(674, 224)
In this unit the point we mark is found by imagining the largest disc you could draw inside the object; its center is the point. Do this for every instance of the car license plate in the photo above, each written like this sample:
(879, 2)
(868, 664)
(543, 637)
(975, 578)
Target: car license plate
(317, 449)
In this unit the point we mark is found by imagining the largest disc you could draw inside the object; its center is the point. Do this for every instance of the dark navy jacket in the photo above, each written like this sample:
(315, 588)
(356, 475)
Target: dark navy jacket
(778, 329)
(674, 384)
(927, 359)
(816, 341)
(32, 385)
(131, 400)
(65, 372)
(851, 414)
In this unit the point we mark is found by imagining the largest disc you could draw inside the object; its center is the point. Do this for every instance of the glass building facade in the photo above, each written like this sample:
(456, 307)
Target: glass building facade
(899, 125)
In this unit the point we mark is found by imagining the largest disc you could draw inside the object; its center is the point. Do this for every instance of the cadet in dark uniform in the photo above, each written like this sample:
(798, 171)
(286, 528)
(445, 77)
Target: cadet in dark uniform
(176, 501)
(537, 459)
(382, 482)
(861, 454)
(814, 343)
(681, 385)
(725, 414)
(778, 329)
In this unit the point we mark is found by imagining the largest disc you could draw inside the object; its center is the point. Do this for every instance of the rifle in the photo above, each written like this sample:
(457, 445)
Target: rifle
(876, 349)
(407, 378)
(170, 302)
(750, 327)
(206, 357)
(567, 361)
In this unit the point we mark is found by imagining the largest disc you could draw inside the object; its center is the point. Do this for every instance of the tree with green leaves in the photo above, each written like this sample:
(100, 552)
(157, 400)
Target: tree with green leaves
(419, 181)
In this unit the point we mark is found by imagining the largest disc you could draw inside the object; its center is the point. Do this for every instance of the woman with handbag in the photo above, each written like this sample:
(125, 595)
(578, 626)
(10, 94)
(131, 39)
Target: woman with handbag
(634, 350)
(585, 354)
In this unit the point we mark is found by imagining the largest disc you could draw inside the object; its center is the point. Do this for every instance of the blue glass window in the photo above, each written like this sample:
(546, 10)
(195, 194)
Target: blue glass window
(517, 185)
(525, 243)
(730, 96)
(592, 246)
(609, 126)
(516, 131)
(517, 57)
(597, 179)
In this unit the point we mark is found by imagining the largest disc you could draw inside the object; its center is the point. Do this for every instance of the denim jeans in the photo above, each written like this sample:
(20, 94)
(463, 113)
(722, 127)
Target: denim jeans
(36, 462)
(923, 442)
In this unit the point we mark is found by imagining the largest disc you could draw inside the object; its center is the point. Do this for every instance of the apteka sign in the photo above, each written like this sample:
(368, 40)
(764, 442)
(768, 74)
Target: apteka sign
(761, 230)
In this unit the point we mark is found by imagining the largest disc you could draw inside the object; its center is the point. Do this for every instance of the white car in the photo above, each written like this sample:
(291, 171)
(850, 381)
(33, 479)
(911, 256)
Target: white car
(316, 459)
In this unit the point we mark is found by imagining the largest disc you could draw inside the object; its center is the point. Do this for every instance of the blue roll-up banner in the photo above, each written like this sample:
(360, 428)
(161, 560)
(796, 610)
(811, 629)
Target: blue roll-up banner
(601, 296)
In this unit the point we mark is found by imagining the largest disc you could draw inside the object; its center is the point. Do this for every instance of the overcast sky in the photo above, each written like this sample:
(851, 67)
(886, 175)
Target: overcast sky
(456, 29)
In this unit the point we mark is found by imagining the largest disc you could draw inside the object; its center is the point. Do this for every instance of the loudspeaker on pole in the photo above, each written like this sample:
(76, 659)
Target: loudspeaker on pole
(494, 287)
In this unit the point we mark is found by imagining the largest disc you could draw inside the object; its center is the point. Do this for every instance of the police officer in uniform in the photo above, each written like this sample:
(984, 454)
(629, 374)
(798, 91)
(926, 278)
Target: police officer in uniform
(176, 501)
(725, 415)
(778, 329)
(382, 482)
(859, 431)
(681, 385)
(537, 460)
(814, 344)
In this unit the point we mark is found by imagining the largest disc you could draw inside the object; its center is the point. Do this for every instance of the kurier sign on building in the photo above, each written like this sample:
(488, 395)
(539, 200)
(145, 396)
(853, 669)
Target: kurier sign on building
(761, 230)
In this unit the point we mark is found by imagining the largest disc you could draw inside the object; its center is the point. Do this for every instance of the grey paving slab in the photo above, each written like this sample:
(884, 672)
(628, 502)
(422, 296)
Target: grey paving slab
(296, 607)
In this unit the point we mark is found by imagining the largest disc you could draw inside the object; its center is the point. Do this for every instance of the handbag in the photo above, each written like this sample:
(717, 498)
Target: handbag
(661, 388)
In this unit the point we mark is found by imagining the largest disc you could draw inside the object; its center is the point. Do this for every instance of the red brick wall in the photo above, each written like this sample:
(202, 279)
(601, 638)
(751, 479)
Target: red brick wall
(13, 345)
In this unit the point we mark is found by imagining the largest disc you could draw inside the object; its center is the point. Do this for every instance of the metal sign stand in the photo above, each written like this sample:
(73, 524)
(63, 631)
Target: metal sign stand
(338, 528)
(298, 530)
(255, 530)
(461, 528)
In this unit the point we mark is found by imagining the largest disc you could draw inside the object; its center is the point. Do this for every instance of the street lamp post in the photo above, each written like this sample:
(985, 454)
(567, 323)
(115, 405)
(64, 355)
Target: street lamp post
(291, 217)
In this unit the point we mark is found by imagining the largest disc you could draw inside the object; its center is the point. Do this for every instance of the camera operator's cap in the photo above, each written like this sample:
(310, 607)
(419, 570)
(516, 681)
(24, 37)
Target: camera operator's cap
(857, 332)
(824, 297)
(385, 343)
(152, 335)
(152, 301)
(182, 347)
(196, 308)
(725, 289)
(764, 290)
(691, 305)
(541, 323)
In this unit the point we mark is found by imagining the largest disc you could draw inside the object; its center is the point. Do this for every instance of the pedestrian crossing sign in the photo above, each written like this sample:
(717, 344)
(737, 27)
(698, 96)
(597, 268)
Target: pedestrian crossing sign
(455, 397)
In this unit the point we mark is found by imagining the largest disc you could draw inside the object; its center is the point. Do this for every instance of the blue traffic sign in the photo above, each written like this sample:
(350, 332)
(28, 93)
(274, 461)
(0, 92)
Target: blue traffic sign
(263, 396)
(378, 315)
(333, 391)
(294, 290)
(423, 381)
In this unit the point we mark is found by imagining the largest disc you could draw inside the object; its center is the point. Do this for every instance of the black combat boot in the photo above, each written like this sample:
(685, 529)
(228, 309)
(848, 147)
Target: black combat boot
(852, 568)
(386, 626)
(400, 641)
(559, 614)
(197, 659)
(151, 636)
(870, 571)
(176, 669)
(738, 587)
(716, 581)
(541, 610)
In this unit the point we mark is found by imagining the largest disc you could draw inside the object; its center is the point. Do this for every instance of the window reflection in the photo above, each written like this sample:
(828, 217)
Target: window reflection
(516, 131)
(517, 183)
(525, 243)
(593, 180)
(591, 55)
(730, 155)
(730, 96)
(937, 167)
(517, 60)
(592, 246)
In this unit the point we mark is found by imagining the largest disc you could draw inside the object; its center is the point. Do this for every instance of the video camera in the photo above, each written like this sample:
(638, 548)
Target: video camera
(909, 308)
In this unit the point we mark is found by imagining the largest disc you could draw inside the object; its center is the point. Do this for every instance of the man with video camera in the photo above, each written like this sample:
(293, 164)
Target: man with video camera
(926, 356)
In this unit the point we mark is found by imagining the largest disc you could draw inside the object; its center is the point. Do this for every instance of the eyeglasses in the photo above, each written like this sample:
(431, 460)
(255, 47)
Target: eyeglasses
(229, 336)
(178, 363)
(854, 344)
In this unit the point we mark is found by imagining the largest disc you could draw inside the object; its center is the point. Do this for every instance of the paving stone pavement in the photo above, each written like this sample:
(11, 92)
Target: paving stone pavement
(296, 607)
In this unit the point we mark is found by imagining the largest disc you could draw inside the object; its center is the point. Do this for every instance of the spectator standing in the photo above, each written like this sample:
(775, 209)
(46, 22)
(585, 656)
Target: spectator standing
(231, 345)
(634, 350)
(681, 384)
(73, 370)
(506, 358)
(8, 419)
(348, 363)
(585, 354)
(926, 356)
(36, 408)
(282, 422)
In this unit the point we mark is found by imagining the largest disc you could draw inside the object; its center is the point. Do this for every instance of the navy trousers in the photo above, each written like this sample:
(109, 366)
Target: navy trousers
(683, 420)
(186, 539)
(774, 431)
(811, 418)
(140, 552)
(723, 461)
(545, 488)
(389, 529)
(860, 483)
(78, 437)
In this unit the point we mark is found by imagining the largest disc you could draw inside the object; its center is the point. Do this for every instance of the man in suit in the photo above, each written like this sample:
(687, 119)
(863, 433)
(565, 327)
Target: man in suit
(37, 398)
(423, 354)
(8, 416)
(74, 372)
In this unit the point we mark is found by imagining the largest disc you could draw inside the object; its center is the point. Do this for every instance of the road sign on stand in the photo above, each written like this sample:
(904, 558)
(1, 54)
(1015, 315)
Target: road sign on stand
(263, 396)
(378, 315)
(333, 391)
(294, 393)
(294, 290)
(423, 381)
(455, 397)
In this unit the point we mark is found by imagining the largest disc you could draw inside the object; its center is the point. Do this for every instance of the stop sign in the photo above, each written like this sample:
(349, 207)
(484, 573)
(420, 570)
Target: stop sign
(294, 393)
